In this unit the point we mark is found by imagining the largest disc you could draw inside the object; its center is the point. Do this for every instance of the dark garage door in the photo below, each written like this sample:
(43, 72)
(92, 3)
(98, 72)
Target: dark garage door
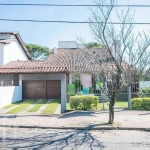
(41, 89)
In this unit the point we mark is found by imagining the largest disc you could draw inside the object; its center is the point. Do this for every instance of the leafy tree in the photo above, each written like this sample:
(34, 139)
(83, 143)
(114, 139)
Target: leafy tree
(38, 52)
(129, 52)
(94, 45)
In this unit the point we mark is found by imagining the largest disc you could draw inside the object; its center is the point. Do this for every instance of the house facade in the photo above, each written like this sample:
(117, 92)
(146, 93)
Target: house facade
(23, 78)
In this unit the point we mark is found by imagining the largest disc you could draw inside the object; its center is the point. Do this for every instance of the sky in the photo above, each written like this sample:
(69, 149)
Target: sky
(48, 34)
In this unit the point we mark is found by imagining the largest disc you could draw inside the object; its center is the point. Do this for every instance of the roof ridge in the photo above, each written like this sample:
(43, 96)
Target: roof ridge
(18, 37)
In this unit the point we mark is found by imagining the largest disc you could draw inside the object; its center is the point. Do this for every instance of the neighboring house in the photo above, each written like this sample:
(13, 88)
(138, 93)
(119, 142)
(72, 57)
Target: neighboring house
(12, 48)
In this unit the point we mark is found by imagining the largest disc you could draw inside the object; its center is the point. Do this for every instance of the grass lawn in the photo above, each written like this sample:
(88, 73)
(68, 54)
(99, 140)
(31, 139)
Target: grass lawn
(68, 106)
(21, 107)
(37, 106)
(51, 108)
(13, 104)
(121, 104)
(100, 106)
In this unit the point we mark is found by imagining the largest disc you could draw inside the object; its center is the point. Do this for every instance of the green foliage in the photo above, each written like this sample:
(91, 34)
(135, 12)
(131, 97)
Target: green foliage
(21, 107)
(83, 102)
(13, 104)
(51, 108)
(94, 44)
(144, 92)
(37, 52)
(37, 106)
(91, 90)
(141, 103)
(119, 104)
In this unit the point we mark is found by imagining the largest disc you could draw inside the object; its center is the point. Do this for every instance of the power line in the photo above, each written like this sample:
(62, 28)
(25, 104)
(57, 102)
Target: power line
(66, 5)
(74, 22)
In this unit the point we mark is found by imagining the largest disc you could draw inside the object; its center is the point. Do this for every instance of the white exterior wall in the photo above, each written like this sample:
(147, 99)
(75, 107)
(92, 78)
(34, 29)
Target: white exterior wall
(61, 77)
(10, 94)
(144, 84)
(12, 51)
(1, 55)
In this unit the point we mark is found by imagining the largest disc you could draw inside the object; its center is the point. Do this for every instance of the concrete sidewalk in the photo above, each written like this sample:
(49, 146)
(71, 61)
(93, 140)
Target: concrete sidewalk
(124, 119)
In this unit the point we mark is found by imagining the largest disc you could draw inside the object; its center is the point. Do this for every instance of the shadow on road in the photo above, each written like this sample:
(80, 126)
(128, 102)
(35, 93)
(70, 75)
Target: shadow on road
(54, 139)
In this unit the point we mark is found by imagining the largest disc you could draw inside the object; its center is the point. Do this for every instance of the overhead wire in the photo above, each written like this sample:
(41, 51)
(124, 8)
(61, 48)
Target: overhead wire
(73, 22)
(70, 5)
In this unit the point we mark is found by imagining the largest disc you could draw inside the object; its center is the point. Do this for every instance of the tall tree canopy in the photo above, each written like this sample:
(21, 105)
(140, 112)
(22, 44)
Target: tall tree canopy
(94, 45)
(37, 52)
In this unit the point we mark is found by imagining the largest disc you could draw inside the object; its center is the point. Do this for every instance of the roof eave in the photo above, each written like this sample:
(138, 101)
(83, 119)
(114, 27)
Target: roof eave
(18, 37)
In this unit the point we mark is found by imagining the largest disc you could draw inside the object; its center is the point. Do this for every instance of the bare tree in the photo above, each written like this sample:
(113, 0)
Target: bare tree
(128, 51)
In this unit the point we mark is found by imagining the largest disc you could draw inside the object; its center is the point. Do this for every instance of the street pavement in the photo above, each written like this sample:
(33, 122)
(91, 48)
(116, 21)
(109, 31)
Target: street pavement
(73, 139)
(83, 119)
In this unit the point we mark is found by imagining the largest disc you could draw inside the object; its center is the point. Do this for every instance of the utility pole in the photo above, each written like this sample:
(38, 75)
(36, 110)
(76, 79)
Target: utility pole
(129, 98)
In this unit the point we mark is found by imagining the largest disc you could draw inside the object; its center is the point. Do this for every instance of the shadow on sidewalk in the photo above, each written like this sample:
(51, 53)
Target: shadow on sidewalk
(100, 124)
(27, 115)
(145, 114)
(79, 113)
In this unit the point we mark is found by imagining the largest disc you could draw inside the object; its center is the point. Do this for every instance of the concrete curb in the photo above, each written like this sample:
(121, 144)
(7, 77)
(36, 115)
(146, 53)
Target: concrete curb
(77, 128)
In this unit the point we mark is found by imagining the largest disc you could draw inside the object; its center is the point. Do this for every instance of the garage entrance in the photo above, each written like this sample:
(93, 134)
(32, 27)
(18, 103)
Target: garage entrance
(41, 89)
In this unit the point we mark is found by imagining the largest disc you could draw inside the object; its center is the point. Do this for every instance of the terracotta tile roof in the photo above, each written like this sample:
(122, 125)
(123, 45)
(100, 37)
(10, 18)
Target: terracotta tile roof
(65, 60)
(17, 35)
(31, 67)
(78, 60)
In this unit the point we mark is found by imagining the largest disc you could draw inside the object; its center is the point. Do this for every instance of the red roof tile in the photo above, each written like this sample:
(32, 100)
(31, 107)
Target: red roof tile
(65, 60)
(31, 67)
(78, 60)
(34, 70)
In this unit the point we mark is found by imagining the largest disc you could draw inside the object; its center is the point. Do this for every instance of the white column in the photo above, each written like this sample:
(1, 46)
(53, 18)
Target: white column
(70, 78)
(63, 93)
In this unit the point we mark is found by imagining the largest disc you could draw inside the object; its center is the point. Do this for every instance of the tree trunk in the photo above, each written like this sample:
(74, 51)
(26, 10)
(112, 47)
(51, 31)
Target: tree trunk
(111, 111)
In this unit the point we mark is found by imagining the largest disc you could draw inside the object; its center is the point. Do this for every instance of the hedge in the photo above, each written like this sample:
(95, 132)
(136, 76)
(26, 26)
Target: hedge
(83, 102)
(141, 103)
(144, 92)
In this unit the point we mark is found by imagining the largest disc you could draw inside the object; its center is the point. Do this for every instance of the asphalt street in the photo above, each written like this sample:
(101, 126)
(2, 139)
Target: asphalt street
(73, 139)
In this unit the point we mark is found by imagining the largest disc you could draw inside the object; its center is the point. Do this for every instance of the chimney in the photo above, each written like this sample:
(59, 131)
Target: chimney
(67, 44)
(55, 50)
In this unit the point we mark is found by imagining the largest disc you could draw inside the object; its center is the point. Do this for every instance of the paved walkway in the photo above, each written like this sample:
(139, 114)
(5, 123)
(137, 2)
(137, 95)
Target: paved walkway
(123, 118)
(43, 107)
(58, 110)
(29, 107)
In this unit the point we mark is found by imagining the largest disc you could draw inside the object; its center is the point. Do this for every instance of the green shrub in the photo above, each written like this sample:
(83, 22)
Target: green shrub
(144, 92)
(83, 102)
(141, 103)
